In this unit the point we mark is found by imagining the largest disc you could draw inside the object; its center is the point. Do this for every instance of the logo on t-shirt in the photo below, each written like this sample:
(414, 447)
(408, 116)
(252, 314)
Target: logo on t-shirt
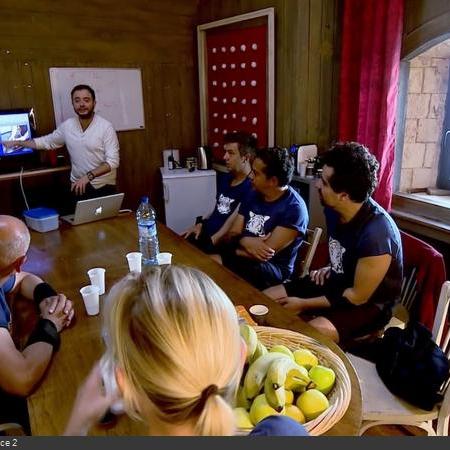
(256, 224)
(224, 204)
(336, 255)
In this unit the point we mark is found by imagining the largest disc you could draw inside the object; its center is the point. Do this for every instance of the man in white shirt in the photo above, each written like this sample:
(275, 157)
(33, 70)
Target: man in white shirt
(92, 145)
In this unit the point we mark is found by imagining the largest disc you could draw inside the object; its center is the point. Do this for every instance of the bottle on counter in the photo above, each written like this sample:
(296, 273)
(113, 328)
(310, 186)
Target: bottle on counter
(148, 235)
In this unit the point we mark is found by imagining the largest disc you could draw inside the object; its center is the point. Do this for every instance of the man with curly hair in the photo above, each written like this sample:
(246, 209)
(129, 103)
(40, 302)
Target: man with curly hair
(354, 295)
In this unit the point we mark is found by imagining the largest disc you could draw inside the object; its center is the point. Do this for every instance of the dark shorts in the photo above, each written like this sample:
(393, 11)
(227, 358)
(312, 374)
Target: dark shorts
(260, 274)
(351, 321)
(14, 410)
(203, 242)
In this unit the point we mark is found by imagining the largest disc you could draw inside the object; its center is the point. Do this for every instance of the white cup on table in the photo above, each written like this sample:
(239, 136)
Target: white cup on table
(134, 261)
(164, 258)
(97, 277)
(91, 298)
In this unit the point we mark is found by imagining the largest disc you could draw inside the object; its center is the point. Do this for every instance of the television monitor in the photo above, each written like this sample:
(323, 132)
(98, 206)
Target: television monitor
(17, 124)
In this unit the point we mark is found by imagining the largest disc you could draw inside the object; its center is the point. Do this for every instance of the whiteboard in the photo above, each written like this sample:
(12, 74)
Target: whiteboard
(118, 93)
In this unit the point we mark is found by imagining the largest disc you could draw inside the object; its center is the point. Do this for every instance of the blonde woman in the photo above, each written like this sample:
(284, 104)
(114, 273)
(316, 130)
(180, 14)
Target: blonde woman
(174, 339)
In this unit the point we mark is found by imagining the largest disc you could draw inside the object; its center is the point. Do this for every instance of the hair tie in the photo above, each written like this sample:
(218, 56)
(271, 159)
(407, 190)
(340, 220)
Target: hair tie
(212, 389)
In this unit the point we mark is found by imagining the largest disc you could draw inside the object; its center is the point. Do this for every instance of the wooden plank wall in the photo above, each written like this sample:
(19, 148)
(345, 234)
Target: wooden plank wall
(306, 58)
(156, 36)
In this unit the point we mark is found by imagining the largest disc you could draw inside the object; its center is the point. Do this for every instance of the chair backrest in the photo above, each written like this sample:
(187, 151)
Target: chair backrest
(310, 244)
(441, 335)
(424, 274)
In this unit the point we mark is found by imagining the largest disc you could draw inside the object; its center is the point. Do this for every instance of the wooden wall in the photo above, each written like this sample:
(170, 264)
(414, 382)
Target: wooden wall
(306, 64)
(425, 20)
(156, 36)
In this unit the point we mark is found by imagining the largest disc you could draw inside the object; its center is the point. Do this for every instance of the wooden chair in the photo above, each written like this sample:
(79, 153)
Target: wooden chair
(381, 407)
(308, 250)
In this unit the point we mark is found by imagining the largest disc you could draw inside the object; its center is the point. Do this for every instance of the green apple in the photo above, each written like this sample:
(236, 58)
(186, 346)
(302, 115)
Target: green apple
(282, 349)
(260, 409)
(323, 378)
(294, 413)
(305, 358)
(242, 418)
(312, 403)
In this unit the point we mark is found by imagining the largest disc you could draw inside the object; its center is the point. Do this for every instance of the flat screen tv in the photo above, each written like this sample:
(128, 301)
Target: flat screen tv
(19, 125)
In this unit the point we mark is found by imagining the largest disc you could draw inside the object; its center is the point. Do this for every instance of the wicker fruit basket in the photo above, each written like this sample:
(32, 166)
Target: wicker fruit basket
(339, 397)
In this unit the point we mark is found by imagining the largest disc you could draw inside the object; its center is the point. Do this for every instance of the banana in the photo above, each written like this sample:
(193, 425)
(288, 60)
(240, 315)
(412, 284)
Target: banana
(276, 398)
(251, 339)
(256, 373)
(282, 370)
(261, 350)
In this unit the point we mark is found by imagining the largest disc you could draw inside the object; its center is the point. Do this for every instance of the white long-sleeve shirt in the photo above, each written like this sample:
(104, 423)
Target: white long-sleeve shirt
(87, 149)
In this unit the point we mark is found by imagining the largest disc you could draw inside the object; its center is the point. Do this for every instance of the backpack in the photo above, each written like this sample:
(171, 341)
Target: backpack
(411, 365)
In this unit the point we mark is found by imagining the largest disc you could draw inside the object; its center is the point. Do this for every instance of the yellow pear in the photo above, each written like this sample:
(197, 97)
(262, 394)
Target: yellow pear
(294, 413)
(312, 403)
(305, 358)
(260, 409)
(242, 418)
(282, 349)
(289, 397)
(323, 378)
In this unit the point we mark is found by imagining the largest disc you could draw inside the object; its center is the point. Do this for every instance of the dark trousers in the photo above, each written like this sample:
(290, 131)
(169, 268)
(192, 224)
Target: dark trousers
(14, 409)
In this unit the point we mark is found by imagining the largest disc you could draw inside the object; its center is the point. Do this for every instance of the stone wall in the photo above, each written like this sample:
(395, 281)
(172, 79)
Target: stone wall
(425, 111)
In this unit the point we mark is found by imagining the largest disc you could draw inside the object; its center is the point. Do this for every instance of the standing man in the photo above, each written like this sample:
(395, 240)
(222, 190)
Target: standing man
(20, 371)
(264, 239)
(232, 187)
(355, 294)
(92, 145)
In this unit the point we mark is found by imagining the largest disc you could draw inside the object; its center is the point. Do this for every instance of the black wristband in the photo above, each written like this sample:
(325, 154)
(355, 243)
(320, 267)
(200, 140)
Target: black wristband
(45, 331)
(199, 219)
(335, 297)
(42, 291)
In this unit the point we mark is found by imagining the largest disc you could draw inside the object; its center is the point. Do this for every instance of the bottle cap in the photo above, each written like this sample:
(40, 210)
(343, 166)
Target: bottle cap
(144, 199)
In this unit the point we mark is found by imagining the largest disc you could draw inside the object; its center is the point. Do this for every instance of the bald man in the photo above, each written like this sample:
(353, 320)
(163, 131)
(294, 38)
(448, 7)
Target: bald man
(21, 371)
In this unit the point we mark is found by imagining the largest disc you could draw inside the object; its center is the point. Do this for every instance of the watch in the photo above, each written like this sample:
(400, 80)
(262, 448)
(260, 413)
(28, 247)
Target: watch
(90, 176)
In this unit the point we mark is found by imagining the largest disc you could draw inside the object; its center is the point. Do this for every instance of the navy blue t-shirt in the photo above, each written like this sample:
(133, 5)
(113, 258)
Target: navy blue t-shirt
(5, 314)
(279, 426)
(372, 232)
(227, 200)
(262, 217)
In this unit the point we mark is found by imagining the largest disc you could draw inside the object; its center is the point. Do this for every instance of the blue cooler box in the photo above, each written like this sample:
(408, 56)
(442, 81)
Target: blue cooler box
(42, 219)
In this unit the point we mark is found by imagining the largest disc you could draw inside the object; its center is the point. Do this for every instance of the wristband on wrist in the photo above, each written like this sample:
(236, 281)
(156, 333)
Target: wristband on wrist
(42, 291)
(90, 175)
(199, 219)
(335, 297)
(45, 331)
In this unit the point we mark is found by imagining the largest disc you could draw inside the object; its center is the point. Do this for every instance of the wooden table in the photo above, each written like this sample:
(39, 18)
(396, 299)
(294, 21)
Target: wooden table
(62, 258)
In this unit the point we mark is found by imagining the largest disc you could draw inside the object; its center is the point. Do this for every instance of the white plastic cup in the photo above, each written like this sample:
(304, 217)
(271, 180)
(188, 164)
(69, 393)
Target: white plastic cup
(97, 277)
(164, 258)
(134, 261)
(302, 170)
(91, 298)
(259, 313)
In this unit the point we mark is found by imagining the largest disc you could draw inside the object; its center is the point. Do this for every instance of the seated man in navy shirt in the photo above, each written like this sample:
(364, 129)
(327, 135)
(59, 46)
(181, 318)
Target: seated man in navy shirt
(355, 294)
(232, 187)
(263, 241)
(20, 371)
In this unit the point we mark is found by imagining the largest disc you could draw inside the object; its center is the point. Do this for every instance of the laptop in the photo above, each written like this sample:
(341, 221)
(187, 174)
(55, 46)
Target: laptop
(95, 209)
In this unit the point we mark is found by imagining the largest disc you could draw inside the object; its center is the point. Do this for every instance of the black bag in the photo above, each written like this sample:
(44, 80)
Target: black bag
(411, 365)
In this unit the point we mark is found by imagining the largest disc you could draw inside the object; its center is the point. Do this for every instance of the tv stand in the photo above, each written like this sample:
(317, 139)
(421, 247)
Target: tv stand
(43, 187)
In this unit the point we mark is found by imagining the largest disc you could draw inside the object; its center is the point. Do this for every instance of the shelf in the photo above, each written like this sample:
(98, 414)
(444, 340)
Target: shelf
(34, 173)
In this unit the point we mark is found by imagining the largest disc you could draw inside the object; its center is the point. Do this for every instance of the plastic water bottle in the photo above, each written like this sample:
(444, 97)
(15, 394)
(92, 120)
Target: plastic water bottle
(148, 236)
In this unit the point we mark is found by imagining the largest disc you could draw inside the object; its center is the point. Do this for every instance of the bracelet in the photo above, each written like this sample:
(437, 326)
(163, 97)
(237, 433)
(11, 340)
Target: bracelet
(90, 175)
(45, 331)
(42, 291)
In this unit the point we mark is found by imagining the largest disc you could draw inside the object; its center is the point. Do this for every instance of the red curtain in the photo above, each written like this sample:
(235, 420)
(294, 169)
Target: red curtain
(371, 44)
